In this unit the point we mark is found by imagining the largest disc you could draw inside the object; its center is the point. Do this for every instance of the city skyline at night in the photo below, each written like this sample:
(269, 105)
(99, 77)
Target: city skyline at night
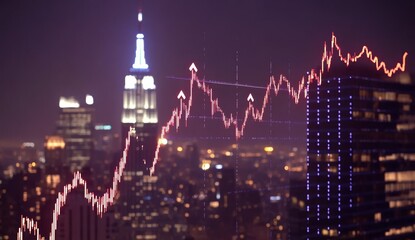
(270, 120)
(260, 34)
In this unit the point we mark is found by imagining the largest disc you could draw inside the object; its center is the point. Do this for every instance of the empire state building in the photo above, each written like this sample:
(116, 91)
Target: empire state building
(139, 105)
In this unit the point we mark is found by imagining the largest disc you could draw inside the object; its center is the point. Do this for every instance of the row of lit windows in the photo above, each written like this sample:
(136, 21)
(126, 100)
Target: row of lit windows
(361, 169)
(149, 225)
(382, 117)
(361, 157)
(401, 203)
(404, 176)
(178, 227)
(396, 156)
(80, 117)
(331, 157)
(397, 187)
(147, 237)
(399, 231)
(329, 232)
(405, 126)
(78, 140)
(386, 96)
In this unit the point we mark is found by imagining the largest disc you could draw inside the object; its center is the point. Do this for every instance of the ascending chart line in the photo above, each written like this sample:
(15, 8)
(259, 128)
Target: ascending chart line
(275, 85)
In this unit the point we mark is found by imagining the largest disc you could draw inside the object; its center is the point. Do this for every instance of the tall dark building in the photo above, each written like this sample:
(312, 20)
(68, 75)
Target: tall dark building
(361, 150)
(79, 221)
(297, 214)
(54, 153)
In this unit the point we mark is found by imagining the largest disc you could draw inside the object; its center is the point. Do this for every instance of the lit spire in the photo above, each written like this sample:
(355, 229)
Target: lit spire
(140, 60)
(140, 17)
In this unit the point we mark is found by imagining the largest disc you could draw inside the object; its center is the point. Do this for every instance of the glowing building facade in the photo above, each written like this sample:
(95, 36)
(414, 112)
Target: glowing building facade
(75, 126)
(139, 103)
(138, 204)
(361, 158)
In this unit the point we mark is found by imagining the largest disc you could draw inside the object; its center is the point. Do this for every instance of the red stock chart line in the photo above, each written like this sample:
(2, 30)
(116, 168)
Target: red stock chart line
(99, 204)
(182, 112)
(274, 86)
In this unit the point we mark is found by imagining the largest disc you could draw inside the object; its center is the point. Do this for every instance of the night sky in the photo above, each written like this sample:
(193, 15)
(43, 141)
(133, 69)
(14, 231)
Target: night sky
(53, 48)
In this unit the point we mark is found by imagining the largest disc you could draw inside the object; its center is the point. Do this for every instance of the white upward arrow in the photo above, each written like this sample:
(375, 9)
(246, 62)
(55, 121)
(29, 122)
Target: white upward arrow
(250, 98)
(181, 95)
(193, 67)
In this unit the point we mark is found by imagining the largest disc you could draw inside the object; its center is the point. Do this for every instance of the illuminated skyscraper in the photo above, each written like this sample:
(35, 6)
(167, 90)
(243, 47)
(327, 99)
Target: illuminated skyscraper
(138, 208)
(75, 126)
(139, 103)
(361, 152)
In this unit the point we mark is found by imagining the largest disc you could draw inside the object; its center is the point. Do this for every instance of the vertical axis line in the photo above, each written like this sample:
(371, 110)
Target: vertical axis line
(204, 127)
(237, 145)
